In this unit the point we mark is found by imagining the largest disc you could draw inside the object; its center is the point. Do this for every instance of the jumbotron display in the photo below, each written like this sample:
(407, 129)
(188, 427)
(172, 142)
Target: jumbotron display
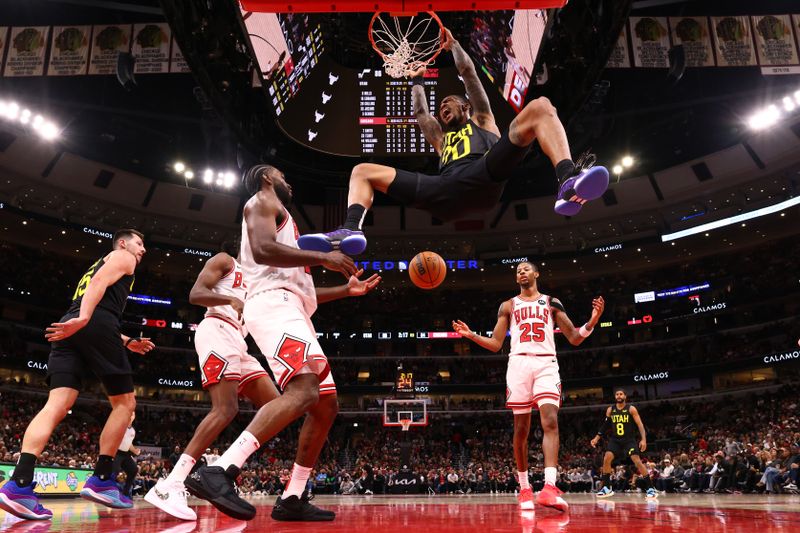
(363, 112)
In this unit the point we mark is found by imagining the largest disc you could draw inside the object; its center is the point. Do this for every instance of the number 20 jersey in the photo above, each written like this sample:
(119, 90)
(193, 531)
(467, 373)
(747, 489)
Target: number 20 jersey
(532, 326)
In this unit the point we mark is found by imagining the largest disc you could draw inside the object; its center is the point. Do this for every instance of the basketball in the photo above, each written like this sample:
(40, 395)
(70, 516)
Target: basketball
(427, 270)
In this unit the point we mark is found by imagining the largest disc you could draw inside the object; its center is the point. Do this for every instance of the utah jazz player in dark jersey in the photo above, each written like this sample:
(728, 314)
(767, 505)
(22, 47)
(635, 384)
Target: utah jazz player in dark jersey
(620, 419)
(474, 161)
(86, 339)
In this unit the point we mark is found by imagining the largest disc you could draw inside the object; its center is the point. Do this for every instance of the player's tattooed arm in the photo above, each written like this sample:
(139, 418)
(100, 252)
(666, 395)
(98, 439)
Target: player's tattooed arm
(478, 99)
(493, 343)
(430, 127)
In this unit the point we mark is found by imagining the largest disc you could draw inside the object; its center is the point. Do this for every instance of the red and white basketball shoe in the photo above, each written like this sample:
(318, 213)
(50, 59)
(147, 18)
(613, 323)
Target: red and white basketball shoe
(550, 496)
(526, 499)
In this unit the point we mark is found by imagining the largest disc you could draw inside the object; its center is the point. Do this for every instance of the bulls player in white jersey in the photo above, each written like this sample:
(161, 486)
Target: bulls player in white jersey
(532, 378)
(226, 369)
(281, 298)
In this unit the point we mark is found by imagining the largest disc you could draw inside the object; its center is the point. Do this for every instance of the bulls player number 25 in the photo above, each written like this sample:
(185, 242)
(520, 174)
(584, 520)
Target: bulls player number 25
(531, 332)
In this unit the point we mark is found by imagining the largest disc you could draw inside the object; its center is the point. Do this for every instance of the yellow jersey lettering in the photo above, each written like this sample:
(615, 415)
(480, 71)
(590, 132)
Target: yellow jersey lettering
(456, 144)
(80, 290)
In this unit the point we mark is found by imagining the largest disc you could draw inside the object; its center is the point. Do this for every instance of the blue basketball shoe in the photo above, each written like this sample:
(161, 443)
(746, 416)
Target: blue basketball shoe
(347, 241)
(22, 502)
(589, 183)
(105, 492)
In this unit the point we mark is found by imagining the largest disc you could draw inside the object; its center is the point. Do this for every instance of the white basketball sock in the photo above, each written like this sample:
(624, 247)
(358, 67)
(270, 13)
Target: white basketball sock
(181, 469)
(523, 480)
(550, 474)
(239, 451)
(297, 483)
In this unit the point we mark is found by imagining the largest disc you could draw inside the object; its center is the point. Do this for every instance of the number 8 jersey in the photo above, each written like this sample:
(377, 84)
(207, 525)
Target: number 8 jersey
(532, 326)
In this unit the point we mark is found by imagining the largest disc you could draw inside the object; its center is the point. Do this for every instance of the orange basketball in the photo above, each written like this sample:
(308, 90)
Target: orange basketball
(427, 270)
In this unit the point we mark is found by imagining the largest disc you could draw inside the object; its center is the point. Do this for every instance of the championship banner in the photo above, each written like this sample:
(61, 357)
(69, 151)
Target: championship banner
(151, 48)
(733, 41)
(108, 41)
(26, 51)
(52, 480)
(694, 35)
(69, 50)
(796, 25)
(775, 42)
(650, 42)
(620, 55)
(177, 62)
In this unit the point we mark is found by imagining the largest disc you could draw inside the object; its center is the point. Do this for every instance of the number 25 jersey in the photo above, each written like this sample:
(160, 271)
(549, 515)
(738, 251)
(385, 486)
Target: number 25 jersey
(532, 326)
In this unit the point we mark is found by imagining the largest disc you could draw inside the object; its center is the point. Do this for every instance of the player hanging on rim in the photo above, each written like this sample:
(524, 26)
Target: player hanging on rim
(620, 419)
(87, 338)
(474, 161)
(226, 369)
(281, 298)
(532, 379)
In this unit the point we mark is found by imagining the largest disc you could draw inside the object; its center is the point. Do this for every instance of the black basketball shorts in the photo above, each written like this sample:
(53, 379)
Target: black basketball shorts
(96, 349)
(623, 448)
(463, 188)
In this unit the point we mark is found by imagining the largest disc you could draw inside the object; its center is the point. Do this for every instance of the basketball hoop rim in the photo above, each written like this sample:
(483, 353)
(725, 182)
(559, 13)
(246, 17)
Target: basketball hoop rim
(405, 423)
(433, 15)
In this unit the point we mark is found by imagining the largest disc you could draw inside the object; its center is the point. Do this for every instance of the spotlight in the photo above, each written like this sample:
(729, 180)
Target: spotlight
(25, 116)
(617, 169)
(627, 161)
(797, 97)
(12, 110)
(788, 103)
(48, 131)
(219, 182)
(38, 120)
(230, 179)
(179, 167)
(208, 176)
(188, 174)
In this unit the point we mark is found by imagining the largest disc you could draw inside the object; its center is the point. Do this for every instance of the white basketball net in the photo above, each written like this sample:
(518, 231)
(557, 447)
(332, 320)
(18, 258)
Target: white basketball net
(405, 43)
(406, 423)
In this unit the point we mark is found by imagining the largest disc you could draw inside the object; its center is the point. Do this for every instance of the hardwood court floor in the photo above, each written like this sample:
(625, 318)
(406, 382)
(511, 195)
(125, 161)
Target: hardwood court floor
(625, 513)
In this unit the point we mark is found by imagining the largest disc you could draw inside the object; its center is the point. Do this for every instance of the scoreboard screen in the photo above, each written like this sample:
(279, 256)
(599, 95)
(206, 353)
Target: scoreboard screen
(358, 113)
(404, 384)
(287, 47)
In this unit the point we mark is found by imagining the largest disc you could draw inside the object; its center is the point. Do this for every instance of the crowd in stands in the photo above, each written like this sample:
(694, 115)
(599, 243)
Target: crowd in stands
(749, 443)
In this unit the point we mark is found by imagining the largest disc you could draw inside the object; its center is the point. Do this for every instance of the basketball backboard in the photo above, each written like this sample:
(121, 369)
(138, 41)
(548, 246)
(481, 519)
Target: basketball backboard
(395, 410)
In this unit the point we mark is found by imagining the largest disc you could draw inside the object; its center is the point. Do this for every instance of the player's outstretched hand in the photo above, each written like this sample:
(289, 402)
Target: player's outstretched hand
(598, 305)
(141, 346)
(461, 328)
(58, 331)
(360, 287)
(447, 39)
(642, 445)
(340, 263)
(594, 441)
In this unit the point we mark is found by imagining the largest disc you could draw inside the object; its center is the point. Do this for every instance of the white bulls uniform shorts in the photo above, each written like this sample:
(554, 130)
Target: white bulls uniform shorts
(278, 309)
(532, 377)
(219, 338)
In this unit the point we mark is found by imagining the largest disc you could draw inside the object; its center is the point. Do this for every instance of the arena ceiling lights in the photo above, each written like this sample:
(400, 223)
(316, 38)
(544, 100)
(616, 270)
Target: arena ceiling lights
(624, 163)
(770, 115)
(209, 176)
(732, 220)
(11, 111)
